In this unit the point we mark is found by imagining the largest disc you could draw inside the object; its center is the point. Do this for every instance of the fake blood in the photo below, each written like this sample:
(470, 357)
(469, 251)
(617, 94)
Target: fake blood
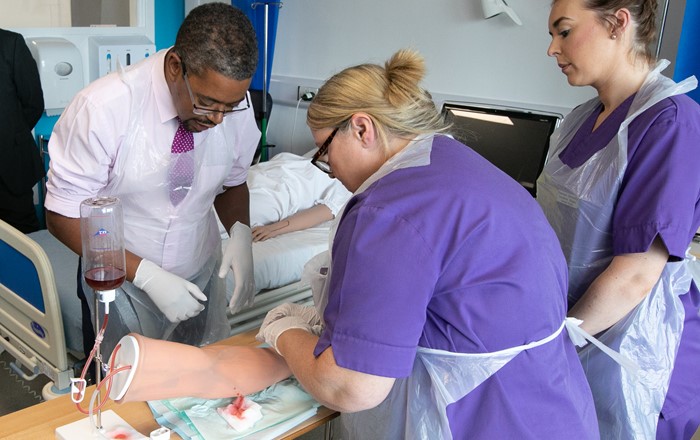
(236, 408)
(119, 434)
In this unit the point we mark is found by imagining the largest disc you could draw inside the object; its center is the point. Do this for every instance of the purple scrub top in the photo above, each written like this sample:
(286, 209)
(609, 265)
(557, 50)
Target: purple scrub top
(457, 256)
(659, 195)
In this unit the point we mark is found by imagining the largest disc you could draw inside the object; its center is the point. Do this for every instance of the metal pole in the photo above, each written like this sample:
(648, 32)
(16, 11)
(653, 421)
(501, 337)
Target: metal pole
(264, 97)
(263, 152)
(661, 29)
(98, 367)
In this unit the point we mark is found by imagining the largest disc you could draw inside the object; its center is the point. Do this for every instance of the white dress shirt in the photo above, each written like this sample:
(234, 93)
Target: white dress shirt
(114, 139)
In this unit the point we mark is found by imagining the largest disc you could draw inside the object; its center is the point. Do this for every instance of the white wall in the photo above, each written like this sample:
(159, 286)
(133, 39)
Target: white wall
(467, 56)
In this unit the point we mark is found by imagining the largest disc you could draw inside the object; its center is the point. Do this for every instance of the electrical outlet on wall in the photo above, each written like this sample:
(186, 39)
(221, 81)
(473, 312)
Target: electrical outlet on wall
(306, 93)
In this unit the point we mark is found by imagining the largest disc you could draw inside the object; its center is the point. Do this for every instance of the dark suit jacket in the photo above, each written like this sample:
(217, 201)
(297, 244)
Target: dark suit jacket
(21, 106)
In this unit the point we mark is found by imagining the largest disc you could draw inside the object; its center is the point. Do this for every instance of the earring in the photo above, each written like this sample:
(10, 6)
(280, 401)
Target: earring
(613, 36)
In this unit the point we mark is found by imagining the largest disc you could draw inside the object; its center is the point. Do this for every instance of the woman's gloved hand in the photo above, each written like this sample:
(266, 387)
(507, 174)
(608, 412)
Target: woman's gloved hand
(238, 257)
(285, 317)
(173, 295)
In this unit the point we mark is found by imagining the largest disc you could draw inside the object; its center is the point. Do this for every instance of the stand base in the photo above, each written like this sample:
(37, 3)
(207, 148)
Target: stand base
(85, 430)
(50, 392)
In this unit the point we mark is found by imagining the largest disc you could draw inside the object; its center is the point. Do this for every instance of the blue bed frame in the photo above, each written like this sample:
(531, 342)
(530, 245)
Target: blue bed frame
(31, 325)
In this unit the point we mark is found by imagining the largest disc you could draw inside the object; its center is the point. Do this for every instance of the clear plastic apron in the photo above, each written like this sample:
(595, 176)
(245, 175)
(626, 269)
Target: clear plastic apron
(416, 407)
(140, 171)
(579, 205)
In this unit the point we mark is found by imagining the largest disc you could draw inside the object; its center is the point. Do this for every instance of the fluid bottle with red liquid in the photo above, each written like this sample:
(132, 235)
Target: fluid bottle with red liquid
(102, 232)
(104, 270)
(103, 265)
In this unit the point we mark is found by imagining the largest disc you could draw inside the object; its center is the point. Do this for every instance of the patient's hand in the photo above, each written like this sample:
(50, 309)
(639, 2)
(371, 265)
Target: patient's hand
(262, 233)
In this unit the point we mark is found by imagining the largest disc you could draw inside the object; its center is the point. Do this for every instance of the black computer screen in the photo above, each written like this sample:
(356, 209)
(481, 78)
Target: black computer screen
(515, 140)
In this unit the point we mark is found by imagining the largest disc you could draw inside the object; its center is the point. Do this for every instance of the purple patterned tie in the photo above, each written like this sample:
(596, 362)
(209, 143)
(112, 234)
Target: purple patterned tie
(181, 165)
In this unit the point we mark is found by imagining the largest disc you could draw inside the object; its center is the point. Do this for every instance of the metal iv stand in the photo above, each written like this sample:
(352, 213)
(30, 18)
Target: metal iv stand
(98, 363)
(263, 152)
(104, 269)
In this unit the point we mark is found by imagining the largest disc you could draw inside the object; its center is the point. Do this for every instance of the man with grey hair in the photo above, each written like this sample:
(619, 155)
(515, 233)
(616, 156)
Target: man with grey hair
(171, 137)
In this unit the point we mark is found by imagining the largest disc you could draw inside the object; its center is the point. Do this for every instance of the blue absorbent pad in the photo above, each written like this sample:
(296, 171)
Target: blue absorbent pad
(283, 406)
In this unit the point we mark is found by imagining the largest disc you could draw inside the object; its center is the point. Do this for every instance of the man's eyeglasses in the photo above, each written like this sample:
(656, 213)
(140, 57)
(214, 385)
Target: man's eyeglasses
(323, 149)
(204, 111)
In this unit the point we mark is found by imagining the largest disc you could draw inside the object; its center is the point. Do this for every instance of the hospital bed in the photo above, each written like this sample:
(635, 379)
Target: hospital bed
(40, 317)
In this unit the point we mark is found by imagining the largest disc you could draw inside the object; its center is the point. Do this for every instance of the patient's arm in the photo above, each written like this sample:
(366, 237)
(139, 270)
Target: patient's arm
(169, 369)
(304, 219)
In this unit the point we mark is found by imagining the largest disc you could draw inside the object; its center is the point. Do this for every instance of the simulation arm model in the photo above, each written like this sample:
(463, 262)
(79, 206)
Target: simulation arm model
(164, 370)
(307, 218)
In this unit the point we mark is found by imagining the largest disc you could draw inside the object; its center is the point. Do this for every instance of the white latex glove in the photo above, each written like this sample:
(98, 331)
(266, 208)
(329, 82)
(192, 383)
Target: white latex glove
(174, 296)
(285, 317)
(238, 257)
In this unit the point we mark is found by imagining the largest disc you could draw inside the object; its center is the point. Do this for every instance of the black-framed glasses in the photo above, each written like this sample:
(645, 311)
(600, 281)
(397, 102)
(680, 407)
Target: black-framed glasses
(322, 150)
(204, 111)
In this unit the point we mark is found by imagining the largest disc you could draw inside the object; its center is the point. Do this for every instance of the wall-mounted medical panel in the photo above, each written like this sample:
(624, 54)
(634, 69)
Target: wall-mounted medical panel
(107, 53)
(60, 69)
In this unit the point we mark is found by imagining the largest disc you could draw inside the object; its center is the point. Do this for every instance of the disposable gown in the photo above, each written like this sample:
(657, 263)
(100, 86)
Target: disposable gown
(417, 406)
(579, 204)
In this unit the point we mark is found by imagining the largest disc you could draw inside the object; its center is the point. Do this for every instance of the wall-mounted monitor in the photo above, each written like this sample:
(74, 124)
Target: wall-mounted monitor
(516, 140)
